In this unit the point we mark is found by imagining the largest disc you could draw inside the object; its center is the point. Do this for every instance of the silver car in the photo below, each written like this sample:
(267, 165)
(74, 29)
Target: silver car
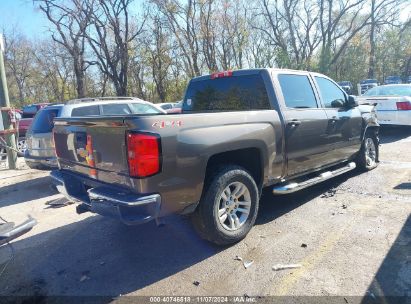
(392, 103)
(40, 147)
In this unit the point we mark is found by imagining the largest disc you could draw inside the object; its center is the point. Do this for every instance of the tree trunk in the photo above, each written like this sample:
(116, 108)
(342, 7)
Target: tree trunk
(79, 73)
(371, 63)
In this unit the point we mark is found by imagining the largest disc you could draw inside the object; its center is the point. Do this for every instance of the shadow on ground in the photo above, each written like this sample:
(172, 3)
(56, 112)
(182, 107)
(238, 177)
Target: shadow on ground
(272, 207)
(102, 257)
(389, 134)
(392, 283)
(26, 191)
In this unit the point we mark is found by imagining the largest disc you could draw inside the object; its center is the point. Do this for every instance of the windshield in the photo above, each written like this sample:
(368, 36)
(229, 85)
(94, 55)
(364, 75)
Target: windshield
(44, 121)
(389, 91)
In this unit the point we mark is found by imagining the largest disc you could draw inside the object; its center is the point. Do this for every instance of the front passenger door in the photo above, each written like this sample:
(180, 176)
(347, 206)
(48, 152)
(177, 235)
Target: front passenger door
(344, 123)
(305, 125)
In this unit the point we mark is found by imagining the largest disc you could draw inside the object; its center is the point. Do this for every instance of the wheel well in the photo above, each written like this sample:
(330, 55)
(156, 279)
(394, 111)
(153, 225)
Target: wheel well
(371, 129)
(249, 159)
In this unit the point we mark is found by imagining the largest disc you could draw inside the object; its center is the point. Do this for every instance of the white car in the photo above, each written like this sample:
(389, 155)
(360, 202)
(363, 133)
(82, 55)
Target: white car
(40, 147)
(393, 103)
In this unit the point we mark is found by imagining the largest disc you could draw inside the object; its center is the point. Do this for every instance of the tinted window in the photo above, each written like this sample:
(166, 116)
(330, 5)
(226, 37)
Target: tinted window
(44, 121)
(86, 111)
(237, 93)
(115, 109)
(297, 91)
(331, 94)
(141, 108)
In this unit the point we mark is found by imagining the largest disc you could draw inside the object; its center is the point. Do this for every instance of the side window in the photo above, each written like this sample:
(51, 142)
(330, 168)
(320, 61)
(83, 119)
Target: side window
(297, 91)
(115, 109)
(85, 111)
(331, 94)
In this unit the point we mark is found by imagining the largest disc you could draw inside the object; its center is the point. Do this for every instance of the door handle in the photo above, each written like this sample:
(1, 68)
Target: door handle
(293, 123)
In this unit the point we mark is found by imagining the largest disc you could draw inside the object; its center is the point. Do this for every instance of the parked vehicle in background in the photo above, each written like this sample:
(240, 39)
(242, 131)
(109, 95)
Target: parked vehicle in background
(367, 84)
(346, 86)
(16, 119)
(40, 147)
(176, 108)
(239, 131)
(166, 106)
(409, 79)
(28, 112)
(393, 103)
(393, 80)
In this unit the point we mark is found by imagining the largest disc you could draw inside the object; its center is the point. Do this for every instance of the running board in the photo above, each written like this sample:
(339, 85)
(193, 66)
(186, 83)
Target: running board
(293, 186)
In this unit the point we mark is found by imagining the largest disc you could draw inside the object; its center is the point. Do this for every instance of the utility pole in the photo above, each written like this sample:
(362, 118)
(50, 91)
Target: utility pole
(4, 102)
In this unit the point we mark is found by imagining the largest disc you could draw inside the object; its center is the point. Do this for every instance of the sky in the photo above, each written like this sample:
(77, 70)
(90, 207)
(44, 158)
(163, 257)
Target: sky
(21, 14)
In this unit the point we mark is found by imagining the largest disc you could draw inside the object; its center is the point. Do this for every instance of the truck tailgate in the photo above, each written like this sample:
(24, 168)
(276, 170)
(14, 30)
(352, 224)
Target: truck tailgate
(94, 147)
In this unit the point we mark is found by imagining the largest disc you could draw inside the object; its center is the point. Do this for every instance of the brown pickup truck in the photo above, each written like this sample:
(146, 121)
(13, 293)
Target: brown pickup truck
(239, 131)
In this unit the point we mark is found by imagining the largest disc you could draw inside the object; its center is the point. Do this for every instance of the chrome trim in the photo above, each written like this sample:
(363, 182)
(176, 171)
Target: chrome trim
(97, 194)
(294, 186)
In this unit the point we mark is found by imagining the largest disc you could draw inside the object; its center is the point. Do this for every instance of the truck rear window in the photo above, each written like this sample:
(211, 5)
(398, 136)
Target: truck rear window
(44, 121)
(237, 93)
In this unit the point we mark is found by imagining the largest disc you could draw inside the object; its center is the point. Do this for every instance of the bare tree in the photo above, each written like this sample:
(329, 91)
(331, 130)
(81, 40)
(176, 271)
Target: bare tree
(19, 54)
(160, 60)
(70, 19)
(291, 28)
(182, 20)
(110, 38)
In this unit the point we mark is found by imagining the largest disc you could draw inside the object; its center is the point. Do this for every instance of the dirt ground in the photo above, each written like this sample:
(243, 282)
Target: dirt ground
(351, 235)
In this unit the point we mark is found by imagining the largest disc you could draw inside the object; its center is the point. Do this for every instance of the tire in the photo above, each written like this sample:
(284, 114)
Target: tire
(21, 146)
(232, 193)
(3, 153)
(367, 158)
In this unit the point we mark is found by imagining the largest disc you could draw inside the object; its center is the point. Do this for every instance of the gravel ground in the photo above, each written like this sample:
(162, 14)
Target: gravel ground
(351, 236)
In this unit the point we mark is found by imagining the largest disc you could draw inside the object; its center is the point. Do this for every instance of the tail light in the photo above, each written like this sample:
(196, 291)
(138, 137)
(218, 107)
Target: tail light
(403, 106)
(143, 154)
(221, 74)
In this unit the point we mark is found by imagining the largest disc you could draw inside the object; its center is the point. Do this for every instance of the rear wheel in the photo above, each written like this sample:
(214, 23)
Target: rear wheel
(3, 153)
(21, 146)
(228, 207)
(368, 156)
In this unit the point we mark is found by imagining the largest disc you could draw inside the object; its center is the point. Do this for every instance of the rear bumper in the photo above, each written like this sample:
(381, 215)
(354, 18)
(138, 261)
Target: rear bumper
(40, 162)
(394, 117)
(103, 199)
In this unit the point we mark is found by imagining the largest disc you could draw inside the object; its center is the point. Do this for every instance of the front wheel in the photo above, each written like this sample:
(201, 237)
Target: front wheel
(367, 158)
(228, 207)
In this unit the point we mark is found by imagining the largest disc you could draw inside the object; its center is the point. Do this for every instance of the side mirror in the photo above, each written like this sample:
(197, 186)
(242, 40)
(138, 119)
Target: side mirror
(352, 101)
(337, 103)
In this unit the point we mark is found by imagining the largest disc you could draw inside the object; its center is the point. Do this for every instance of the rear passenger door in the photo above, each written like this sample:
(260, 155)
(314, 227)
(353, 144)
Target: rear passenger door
(344, 124)
(305, 124)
